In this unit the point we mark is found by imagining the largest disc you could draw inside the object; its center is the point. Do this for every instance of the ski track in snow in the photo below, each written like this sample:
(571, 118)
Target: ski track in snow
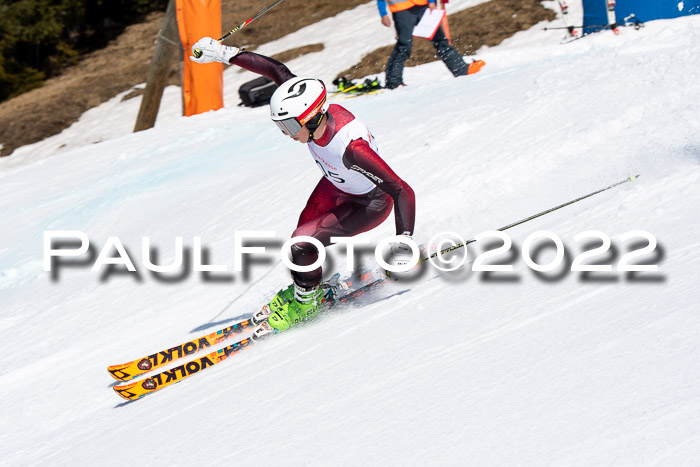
(451, 369)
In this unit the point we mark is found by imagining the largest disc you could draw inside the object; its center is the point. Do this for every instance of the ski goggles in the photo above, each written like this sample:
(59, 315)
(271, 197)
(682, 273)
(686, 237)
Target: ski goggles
(289, 126)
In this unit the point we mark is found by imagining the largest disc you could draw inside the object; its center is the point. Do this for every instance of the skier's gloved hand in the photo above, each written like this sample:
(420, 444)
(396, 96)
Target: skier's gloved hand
(208, 49)
(402, 256)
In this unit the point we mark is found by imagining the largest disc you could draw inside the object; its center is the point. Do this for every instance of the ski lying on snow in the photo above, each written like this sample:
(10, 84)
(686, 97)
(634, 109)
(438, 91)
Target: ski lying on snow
(360, 94)
(131, 370)
(138, 389)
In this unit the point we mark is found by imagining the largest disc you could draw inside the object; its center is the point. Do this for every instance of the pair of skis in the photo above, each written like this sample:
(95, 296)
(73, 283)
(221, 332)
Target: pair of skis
(360, 94)
(141, 366)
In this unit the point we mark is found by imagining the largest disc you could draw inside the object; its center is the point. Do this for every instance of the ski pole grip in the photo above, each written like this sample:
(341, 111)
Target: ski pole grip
(198, 53)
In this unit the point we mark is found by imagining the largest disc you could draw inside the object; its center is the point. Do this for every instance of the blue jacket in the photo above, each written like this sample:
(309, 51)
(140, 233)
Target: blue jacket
(381, 5)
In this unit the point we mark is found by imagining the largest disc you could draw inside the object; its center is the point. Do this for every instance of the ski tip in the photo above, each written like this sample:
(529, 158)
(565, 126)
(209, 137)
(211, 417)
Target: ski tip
(118, 372)
(127, 392)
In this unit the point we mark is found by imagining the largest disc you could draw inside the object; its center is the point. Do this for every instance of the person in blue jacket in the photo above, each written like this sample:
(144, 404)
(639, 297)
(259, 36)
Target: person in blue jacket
(406, 14)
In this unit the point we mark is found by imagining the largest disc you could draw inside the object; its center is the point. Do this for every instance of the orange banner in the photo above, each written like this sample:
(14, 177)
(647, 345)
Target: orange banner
(202, 84)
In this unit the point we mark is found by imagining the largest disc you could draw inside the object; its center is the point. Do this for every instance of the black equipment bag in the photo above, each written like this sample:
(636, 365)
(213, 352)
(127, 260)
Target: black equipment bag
(257, 92)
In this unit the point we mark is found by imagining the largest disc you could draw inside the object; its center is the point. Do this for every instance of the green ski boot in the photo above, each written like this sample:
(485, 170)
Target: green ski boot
(279, 302)
(304, 304)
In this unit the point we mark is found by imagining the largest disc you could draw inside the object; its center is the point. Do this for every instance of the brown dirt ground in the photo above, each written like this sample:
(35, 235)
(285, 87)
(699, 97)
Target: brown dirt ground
(102, 74)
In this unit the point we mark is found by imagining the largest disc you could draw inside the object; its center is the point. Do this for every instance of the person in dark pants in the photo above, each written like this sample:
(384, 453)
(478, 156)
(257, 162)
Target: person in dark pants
(406, 14)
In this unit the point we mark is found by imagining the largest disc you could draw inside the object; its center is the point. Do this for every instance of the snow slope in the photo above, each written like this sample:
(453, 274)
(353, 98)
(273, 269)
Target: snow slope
(463, 368)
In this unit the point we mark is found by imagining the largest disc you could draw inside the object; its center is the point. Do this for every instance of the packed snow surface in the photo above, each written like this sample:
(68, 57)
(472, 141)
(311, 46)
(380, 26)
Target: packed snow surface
(459, 368)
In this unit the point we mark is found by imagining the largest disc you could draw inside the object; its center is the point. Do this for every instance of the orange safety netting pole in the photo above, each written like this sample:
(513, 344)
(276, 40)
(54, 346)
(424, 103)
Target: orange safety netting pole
(202, 84)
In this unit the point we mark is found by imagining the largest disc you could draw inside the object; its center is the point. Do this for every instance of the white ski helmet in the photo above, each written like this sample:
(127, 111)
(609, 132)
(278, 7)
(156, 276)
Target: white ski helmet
(297, 102)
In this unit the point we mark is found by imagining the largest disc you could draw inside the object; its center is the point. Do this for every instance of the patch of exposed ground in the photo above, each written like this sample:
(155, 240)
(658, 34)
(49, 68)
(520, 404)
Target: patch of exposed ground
(289, 55)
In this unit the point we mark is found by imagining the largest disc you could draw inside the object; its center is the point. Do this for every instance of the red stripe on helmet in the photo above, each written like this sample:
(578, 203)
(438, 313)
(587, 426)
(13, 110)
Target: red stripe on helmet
(313, 110)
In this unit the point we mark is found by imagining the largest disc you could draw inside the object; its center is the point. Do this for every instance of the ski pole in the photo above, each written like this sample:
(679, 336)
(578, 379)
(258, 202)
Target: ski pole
(198, 53)
(575, 27)
(631, 178)
(630, 19)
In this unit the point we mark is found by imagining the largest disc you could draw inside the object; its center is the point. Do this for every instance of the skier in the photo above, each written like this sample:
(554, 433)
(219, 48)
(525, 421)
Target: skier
(355, 194)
